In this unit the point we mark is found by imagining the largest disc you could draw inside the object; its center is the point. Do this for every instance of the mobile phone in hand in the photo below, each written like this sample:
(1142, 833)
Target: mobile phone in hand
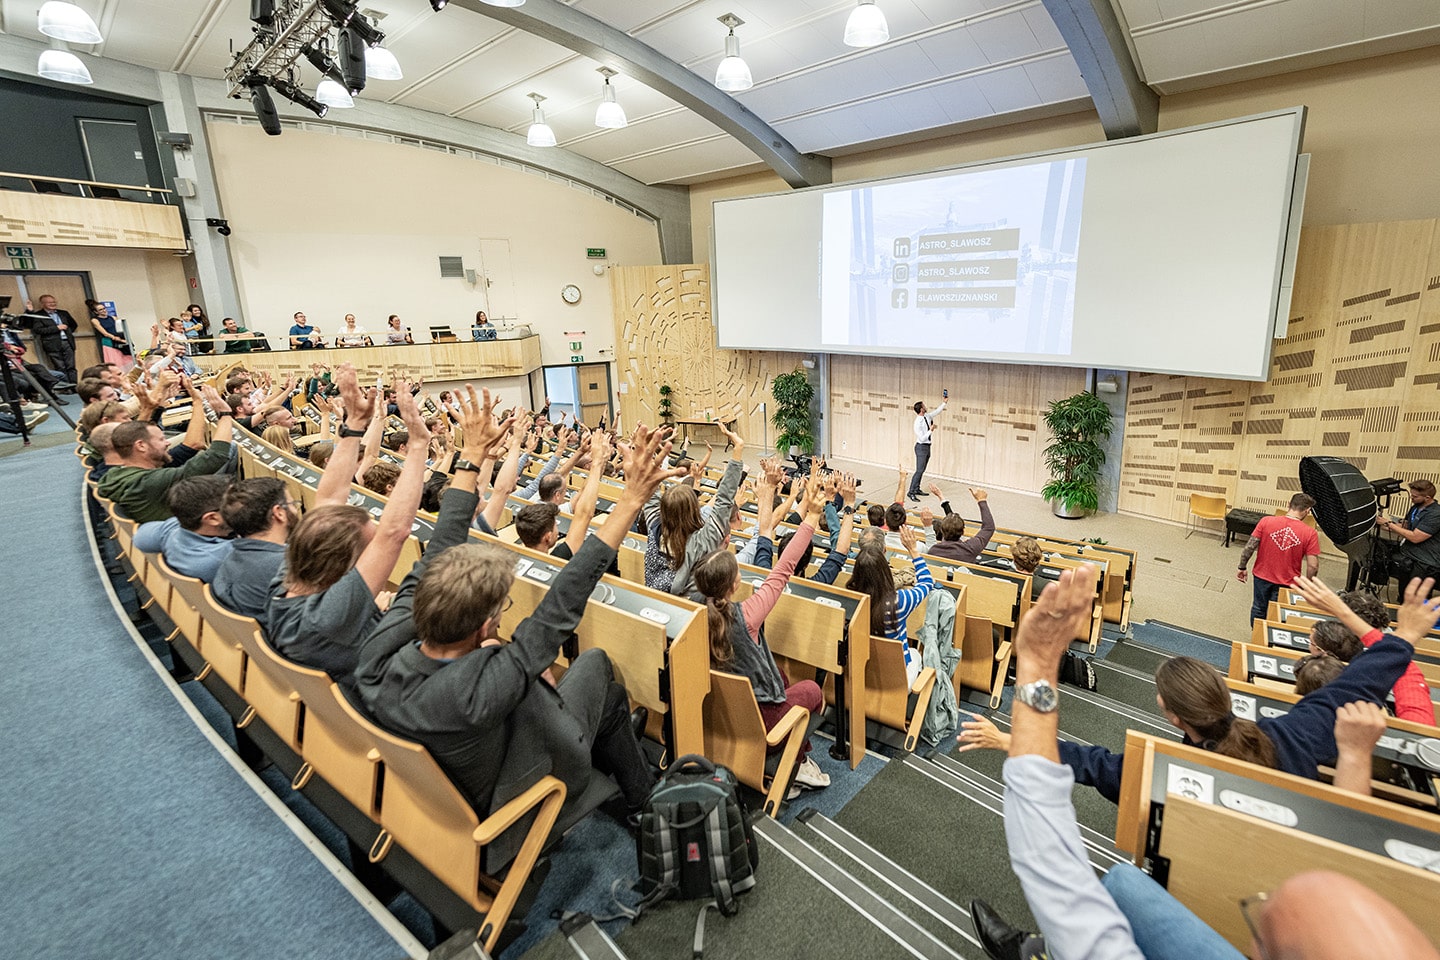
(945, 394)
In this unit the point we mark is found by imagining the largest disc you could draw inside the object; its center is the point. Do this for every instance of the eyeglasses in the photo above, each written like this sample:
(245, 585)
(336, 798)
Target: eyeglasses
(509, 602)
(1250, 908)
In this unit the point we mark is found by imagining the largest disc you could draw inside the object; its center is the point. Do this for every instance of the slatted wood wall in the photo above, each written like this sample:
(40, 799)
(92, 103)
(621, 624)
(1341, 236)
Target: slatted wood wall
(1357, 377)
(663, 335)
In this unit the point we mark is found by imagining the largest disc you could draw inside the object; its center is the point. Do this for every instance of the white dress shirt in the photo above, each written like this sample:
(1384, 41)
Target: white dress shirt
(923, 423)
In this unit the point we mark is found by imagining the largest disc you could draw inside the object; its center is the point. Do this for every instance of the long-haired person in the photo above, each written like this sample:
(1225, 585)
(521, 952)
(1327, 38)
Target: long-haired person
(1193, 696)
(197, 327)
(888, 606)
(114, 348)
(737, 631)
(679, 535)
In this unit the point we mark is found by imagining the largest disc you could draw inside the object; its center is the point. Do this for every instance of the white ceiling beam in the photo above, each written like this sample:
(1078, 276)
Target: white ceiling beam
(554, 21)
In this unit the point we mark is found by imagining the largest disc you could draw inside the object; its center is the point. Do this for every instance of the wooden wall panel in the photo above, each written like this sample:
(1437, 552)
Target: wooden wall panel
(990, 432)
(1357, 376)
(663, 334)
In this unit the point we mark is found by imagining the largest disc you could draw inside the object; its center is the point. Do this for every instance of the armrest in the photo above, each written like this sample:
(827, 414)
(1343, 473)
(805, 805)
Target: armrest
(922, 689)
(1002, 651)
(501, 820)
(777, 734)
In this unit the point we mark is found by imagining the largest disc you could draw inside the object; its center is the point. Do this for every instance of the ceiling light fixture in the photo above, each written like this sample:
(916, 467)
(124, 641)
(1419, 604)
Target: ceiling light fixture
(866, 26)
(291, 91)
(66, 21)
(333, 94)
(438, 5)
(62, 65)
(539, 134)
(380, 64)
(733, 74)
(350, 56)
(504, 3)
(609, 115)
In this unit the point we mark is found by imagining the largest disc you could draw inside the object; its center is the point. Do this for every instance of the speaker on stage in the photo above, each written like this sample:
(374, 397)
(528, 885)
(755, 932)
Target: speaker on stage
(1345, 503)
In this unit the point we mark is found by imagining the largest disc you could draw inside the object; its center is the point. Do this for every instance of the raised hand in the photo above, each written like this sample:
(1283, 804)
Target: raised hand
(1318, 595)
(645, 458)
(1417, 615)
(477, 422)
(212, 397)
(847, 489)
(359, 404)
(908, 540)
(419, 438)
(927, 516)
(1359, 726)
(733, 438)
(979, 495)
(935, 489)
(978, 733)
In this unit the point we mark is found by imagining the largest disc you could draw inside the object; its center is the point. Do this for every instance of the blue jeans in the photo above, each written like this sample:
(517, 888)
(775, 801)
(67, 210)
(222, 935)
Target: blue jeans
(1164, 928)
(1265, 591)
(922, 460)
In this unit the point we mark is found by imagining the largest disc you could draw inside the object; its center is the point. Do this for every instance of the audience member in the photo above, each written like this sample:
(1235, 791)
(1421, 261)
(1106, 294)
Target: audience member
(303, 336)
(237, 339)
(261, 514)
(1314, 671)
(435, 671)
(196, 540)
(1363, 615)
(102, 445)
(677, 535)
(381, 478)
(890, 607)
(140, 478)
(278, 436)
(351, 334)
(952, 544)
(1026, 554)
(737, 631)
(395, 333)
(1419, 553)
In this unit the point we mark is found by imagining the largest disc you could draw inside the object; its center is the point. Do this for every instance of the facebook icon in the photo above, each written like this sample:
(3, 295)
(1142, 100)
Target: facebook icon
(899, 299)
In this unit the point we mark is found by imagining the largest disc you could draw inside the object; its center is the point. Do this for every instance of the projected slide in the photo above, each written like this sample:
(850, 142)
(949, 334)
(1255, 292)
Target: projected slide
(981, 261)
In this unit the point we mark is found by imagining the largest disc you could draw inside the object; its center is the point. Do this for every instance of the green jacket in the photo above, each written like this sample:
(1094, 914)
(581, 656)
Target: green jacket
(140, 493)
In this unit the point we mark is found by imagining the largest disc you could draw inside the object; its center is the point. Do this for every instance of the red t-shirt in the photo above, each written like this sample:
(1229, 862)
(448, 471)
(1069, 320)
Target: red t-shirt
(1284, 544)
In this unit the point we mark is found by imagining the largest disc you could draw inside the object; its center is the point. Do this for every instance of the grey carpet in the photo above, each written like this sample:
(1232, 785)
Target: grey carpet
(1137, 657)
(1190, 643)
(125, 833)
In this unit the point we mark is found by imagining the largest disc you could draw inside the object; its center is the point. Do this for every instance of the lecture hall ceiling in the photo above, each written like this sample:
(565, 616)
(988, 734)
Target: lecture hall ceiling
(949, 63)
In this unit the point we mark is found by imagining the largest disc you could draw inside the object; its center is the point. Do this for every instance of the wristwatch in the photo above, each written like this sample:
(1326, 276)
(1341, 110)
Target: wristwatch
(347, 431)
(1038, 695)
(847, 511)
(463, 464)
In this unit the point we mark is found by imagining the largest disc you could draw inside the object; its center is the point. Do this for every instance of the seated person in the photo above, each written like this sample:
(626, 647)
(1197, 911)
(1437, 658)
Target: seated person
(303, 336)
(896, 519)
(483, 329)
(102, 447)
(141, 476)
(338, 561)
(1314, 671)
(435, 671)
(952, 544)
(1364, 616)
(1192, 695)
(395, 333)
(536, 523)
(260, 513)
(235, 337)
(351, 334)
(380, 478)
(890, 607)
(737, 632)
(196, 540)
(1128, 916)
(1027, 555)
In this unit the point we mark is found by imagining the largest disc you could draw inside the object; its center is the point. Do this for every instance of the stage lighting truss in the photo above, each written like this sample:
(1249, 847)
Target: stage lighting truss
(296, 25)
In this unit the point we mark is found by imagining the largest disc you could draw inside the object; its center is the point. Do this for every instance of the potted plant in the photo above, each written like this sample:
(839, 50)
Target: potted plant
(793, 392)
(1078, 424)
(666, 411)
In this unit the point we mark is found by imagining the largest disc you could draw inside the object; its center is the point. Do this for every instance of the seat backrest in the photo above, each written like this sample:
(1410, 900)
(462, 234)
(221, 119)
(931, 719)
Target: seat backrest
(1204, 503)
(424, 811)
(182, 599)
(267, 685)
(734, 728)
(887, 686)
(223, 630)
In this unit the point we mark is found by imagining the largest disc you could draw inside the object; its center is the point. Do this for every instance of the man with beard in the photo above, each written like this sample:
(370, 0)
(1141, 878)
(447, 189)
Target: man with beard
(139, 482)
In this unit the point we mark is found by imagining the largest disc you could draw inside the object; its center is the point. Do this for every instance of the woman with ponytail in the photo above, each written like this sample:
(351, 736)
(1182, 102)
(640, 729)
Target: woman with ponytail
(737, 631)
(1193, 696)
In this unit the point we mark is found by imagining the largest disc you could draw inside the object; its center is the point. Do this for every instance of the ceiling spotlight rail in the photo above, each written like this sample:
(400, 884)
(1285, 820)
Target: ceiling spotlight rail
(295, 25)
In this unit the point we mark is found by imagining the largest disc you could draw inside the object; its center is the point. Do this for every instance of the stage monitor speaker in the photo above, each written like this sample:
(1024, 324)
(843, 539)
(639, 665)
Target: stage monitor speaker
(1345, 503)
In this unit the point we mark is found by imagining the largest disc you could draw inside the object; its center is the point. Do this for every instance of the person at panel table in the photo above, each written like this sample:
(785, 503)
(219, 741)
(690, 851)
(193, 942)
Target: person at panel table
(303, 336)
(483, 329)
(351, 334)
(396, 332)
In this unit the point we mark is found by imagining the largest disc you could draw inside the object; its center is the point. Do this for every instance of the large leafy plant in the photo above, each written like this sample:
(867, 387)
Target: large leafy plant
(793, 393)
(1077, 425)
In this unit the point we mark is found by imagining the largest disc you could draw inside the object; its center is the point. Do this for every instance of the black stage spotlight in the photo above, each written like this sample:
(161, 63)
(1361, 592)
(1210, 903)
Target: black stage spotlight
(264, 104)
(222, 227)
(263, 12)
(346, 14)
(294, 94)
(322, 61)
(352, 59)
(438, 5)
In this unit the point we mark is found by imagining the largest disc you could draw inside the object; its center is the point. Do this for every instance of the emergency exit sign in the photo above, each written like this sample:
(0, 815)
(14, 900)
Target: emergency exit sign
(595, 253)
(21, 258)
(30, 252)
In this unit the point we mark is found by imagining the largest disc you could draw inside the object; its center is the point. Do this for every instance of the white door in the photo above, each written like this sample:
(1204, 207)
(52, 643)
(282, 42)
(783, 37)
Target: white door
(496, 280)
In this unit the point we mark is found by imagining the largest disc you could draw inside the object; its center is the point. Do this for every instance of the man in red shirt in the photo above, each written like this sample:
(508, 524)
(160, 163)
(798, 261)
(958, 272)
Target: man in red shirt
(1280, 544)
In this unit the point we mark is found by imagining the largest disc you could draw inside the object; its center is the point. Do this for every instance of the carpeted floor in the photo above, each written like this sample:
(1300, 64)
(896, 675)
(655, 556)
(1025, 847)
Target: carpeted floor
(125, 833)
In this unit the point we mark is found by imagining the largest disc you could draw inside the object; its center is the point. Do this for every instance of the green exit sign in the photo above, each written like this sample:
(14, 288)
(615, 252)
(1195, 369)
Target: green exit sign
(595, 253)
(29, 252)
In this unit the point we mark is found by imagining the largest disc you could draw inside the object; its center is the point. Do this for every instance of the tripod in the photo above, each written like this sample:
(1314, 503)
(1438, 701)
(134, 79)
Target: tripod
(7, 376)
(1375, 565)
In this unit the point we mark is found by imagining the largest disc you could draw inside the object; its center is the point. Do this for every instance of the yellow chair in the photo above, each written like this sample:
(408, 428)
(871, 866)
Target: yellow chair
(1204, 507)
(735, 736)
(427, 816)
(890, 700)
(221, 647)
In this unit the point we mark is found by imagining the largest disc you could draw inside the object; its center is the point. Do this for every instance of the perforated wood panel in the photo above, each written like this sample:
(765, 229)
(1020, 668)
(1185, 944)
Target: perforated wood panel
(1358, 377)
(663, 335)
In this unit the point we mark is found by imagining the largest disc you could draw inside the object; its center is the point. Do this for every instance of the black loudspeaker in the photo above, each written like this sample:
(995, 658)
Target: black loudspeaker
(1345, 503)
(351, 59)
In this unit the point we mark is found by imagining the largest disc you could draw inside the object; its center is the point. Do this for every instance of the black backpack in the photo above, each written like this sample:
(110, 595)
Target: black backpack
(695, 840)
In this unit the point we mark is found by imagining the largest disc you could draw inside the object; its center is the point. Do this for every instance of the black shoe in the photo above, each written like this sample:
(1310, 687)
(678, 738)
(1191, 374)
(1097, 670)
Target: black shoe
(999, 940)
(914, 496)
(639, 717)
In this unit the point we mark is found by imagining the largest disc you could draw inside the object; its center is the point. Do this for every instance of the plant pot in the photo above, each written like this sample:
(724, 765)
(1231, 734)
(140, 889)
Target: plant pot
(1064, 511)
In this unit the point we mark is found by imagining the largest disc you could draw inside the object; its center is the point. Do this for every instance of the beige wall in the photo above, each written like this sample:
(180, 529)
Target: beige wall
(334, 225)
(1371, 130)
(145, 284)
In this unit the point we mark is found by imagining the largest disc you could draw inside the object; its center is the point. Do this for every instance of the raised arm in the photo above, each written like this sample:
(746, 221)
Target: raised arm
(1320, 596)
(374, 434)
(900, 485)
(645, 469)
(589, 494)
(505, 480)
(334, 487)
(377, 561)
(758, 605)
(1358, 727)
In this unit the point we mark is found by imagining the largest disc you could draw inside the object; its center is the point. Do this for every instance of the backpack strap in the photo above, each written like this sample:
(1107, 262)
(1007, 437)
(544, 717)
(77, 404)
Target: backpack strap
(719, 837)
(698, 950)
